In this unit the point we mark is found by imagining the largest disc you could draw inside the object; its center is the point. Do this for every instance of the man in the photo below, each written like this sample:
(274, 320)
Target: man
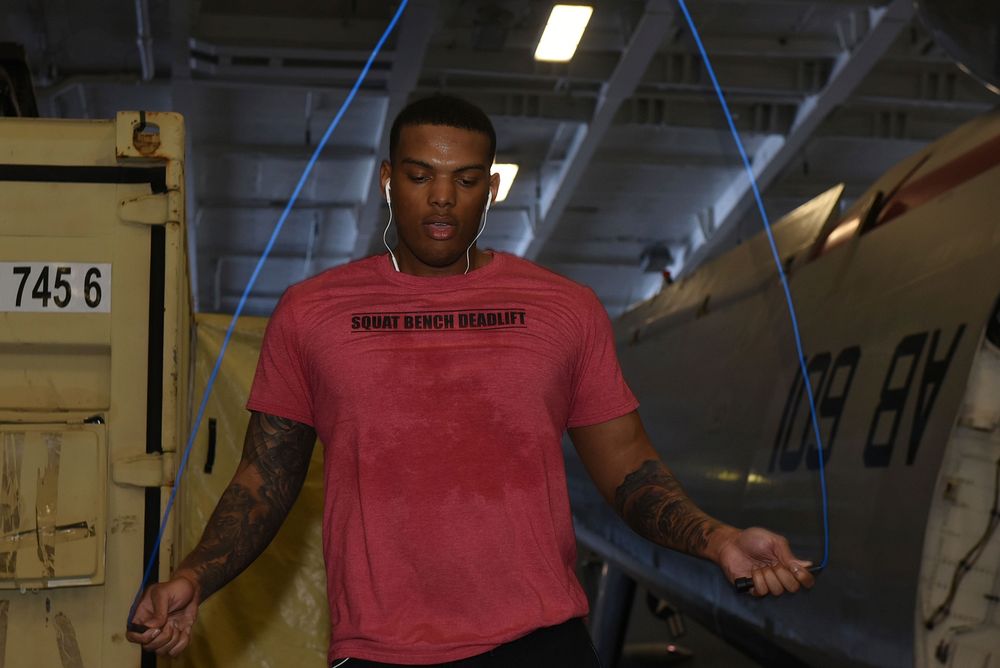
(440, 379)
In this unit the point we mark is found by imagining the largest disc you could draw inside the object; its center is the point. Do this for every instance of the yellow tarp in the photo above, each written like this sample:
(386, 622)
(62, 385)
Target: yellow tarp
(275, 613)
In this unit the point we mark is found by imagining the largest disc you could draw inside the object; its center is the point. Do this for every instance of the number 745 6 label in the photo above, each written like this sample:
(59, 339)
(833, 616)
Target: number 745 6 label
(55, 287)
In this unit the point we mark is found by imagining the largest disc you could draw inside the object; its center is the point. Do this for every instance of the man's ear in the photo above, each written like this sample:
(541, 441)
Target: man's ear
(494, 187)
(384, 174)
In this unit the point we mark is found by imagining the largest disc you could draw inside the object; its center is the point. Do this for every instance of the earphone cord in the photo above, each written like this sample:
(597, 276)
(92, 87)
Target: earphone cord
(482, 228)
(385, 241)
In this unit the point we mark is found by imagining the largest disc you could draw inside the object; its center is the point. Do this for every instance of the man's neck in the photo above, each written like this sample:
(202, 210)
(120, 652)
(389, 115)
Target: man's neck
(477, 260)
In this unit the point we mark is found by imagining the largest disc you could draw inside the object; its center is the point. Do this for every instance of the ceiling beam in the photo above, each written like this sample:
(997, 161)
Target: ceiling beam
(274, 55)
(272, 207)
(287, 258)
(298, 154)
(414, 35)
(281, 73)
(304, 31)
(776, 151)
(643, 45)
(675, 66)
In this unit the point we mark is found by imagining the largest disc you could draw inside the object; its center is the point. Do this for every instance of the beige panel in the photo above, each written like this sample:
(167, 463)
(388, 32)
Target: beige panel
(82, 372)
(59, 369)
(53, 479)
(83, 213)
(38, 141)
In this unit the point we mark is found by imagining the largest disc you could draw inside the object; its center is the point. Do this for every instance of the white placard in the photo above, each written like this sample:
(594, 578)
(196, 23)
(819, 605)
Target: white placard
(55, 287)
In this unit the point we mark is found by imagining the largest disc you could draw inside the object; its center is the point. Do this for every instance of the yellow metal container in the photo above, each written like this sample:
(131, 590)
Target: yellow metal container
(94, 338)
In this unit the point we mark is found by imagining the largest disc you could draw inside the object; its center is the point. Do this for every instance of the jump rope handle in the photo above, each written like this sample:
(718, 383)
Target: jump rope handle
(745, 585)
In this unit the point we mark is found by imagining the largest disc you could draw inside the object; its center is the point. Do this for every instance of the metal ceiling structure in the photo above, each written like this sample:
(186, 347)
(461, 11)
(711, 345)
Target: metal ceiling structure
(621, 150)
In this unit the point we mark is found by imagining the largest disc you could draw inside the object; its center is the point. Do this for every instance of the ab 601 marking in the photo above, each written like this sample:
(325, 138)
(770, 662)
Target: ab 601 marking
(832, 379)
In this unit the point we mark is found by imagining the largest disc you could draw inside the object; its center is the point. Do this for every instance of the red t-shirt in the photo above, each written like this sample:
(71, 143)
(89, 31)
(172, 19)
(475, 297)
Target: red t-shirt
(441, 403)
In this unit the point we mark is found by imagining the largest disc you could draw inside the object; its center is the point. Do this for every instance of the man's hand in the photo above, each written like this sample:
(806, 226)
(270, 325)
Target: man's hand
(763, 556)
(169, 610)
(629, 474)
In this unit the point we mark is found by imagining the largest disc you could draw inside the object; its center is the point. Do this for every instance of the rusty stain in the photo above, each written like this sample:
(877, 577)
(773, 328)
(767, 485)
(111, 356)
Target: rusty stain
(69, 647)
(46, 503)
(703, 309)
(4, 611)
(115, 637)
(123, 524)
(146, 143)
(10, 496)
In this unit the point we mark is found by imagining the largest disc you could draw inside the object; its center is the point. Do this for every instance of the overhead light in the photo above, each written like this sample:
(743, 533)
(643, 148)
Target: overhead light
(507, 172)
(563, 32)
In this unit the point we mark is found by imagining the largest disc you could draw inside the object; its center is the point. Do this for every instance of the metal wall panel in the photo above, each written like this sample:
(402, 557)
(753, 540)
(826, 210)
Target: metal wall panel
(94, 335)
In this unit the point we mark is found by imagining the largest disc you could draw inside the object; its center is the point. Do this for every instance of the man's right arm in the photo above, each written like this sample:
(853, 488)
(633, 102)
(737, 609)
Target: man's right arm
(276, 454)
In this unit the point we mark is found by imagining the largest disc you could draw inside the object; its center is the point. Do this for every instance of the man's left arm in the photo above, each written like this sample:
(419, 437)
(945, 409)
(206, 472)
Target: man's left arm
(630, 475)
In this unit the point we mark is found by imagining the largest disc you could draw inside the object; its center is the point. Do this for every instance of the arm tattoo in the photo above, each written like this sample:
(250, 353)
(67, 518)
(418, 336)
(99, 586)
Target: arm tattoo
(653, 503)
(276, 454)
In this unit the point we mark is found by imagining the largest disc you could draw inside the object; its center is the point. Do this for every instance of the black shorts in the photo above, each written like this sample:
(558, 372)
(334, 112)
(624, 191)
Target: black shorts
(565, 645)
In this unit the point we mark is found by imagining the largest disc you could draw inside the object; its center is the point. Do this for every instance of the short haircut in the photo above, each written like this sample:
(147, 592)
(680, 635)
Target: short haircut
(444, 110)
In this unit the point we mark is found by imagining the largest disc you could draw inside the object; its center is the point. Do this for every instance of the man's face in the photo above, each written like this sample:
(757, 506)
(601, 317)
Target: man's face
(439, 181)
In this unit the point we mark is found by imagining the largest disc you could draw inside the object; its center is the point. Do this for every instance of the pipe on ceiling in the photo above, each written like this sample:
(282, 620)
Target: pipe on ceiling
(144, 39)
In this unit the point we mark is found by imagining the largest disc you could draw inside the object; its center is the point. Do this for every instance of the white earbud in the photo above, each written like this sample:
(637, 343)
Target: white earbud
(385, 232)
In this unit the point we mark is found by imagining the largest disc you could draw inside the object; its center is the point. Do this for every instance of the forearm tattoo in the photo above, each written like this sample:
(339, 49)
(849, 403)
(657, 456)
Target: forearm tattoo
(653, 503)
(276, 456)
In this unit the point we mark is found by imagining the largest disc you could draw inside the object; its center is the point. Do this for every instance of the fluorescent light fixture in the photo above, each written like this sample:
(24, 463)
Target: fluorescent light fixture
(507, 172)
(563, 32)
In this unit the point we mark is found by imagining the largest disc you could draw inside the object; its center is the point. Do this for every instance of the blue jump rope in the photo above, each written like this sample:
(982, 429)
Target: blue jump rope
(746, 584)
(742, 584)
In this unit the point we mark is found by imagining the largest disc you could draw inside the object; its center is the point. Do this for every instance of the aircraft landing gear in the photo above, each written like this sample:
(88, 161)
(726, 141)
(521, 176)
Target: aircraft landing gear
(610, 613)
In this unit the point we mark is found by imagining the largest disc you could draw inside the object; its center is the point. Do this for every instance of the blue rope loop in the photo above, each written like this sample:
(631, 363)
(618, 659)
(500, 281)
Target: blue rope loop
(294, 198)
(781, 273)
(249, 287)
